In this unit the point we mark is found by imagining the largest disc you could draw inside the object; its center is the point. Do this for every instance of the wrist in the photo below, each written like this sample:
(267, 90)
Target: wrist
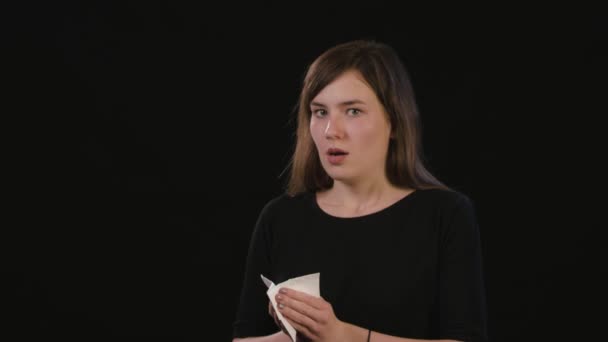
(355, 333)
(281, 337)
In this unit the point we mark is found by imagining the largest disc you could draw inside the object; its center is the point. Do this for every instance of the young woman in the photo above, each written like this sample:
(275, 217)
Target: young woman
(398, 252)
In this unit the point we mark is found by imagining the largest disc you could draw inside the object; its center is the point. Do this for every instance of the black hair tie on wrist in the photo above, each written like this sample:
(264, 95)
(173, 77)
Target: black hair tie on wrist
(369, 333)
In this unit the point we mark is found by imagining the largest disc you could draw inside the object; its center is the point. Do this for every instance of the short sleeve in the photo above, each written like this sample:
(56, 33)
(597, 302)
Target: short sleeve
(252, 318)
(462, 302)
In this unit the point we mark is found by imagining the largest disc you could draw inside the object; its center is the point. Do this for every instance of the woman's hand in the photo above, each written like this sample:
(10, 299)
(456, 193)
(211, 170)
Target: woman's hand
(299, 336)
(311, 316)
(276, 318)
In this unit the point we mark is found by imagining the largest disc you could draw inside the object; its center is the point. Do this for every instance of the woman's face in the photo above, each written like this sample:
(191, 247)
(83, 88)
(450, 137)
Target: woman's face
(348, 116)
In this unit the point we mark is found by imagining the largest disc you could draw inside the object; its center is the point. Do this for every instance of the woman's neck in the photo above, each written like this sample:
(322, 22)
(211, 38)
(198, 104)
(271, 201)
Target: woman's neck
(361, 197)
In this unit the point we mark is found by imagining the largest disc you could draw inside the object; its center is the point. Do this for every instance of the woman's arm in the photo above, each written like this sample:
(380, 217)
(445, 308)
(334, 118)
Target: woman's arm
(278, 337)
(314, 318)
(356, 333)
(252, 317)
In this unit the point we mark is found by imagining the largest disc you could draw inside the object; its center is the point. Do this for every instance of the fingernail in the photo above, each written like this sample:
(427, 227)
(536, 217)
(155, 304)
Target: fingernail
(281, 305)
(283, 291)
(279, 297)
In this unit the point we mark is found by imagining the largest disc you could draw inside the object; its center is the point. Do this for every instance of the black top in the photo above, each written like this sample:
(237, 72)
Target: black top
(413, 269)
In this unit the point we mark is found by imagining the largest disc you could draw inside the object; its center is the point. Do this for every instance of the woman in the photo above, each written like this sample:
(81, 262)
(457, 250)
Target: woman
(398, 252)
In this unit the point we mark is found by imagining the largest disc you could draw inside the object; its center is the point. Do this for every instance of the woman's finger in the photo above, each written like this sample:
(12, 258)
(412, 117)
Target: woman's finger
(305, 309)
(300, 319)
(301, 329)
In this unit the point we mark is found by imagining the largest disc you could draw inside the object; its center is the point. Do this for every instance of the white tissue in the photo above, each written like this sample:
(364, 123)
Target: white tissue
(307, 283)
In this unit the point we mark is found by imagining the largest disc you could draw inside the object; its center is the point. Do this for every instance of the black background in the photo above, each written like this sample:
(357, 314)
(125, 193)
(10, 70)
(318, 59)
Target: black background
(144, 138)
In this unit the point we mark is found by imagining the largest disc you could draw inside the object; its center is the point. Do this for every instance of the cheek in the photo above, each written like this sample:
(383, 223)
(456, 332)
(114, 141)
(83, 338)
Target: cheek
(316, 129)
(365, 133)
(370, 138)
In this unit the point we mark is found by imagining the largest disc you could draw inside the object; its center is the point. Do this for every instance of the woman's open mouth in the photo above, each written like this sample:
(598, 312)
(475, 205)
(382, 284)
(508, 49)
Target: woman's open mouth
(336, 156)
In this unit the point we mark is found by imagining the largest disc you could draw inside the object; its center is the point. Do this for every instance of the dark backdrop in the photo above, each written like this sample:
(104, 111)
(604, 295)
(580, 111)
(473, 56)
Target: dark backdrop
(145, 138)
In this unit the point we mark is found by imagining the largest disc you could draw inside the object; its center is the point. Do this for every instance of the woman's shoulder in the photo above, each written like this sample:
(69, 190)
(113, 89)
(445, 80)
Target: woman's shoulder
(285, 202)
(446, 198)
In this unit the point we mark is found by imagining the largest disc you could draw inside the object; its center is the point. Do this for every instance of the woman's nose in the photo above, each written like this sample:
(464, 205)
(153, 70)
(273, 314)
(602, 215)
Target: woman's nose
(334, 128)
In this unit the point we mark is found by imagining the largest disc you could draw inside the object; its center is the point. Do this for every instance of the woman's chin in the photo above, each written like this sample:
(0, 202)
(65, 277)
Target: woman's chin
(339, 176)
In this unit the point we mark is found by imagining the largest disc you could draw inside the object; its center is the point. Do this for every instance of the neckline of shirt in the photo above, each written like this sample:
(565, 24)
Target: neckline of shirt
(404, 199)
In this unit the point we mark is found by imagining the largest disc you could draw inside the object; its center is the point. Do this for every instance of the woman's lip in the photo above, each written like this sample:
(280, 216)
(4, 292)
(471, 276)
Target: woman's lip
(336, 159)
(335, 150)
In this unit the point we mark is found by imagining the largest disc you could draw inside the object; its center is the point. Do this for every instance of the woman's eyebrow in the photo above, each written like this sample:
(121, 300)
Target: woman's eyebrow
(341, 104)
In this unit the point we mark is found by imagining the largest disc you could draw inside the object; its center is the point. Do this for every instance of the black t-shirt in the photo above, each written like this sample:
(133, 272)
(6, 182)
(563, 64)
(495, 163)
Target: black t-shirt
(413, 269)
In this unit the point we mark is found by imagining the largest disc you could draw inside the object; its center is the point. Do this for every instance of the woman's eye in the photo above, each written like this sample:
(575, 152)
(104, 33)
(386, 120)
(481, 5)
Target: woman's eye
(354, 111)
(319, 112)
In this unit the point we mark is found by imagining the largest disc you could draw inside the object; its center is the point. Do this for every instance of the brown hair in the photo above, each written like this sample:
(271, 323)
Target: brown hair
(384, 72)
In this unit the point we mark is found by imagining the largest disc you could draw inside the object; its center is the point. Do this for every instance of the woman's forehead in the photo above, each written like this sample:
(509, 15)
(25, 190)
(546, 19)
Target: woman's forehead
(348, 88)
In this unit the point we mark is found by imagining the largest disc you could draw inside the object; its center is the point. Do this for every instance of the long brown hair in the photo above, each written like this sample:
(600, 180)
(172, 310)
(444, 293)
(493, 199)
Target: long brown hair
(384, 72)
